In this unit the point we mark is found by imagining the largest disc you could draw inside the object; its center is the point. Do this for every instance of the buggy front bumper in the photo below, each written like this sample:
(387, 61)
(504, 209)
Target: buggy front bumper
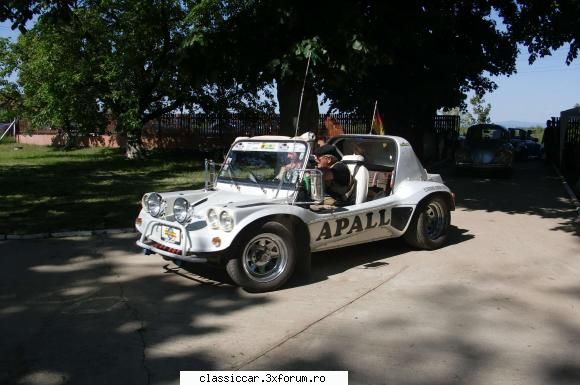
(174, 251)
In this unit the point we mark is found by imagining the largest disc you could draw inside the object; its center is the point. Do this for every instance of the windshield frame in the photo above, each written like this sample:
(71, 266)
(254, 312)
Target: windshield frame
(261, 185)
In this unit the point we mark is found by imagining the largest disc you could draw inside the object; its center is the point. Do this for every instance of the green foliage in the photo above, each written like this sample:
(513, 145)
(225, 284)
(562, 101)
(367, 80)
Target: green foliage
(56, 72)
(537, 132)
(10, 97)
(118, 57)
(480, 110)
(479, 113)
(141, 62)
(543, 26)
(21, 11)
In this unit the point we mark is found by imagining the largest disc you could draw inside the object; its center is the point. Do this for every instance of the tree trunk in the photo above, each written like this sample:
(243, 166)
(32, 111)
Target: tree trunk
(289, 91)
(134, 146)
(410, 125)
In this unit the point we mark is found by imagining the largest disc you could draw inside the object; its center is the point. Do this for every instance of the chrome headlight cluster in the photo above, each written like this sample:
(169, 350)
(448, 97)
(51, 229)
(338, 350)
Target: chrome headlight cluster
(181, 210)
(153, 204)
(223, 220)
(226, 221)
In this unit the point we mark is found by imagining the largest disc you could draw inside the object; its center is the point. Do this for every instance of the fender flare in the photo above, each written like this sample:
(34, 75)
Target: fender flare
(296, 226)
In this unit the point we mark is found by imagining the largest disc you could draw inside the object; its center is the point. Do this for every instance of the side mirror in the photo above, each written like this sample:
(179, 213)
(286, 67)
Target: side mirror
(316, 185)
(310, 185)
(210, 175)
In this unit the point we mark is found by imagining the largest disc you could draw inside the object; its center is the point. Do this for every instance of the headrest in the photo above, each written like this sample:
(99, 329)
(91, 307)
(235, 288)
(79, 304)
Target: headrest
(353, 159)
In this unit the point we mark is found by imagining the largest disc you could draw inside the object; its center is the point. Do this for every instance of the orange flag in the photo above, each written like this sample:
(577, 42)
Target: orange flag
(377, 124)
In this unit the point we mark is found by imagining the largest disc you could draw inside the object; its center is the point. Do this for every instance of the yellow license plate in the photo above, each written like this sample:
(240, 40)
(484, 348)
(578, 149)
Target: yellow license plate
(171, 234)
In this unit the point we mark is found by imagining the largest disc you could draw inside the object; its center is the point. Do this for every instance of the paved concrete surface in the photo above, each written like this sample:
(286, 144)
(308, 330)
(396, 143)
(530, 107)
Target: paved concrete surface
(499, 305)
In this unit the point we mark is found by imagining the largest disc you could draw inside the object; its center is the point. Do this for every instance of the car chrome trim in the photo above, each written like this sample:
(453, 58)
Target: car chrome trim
(183, 243)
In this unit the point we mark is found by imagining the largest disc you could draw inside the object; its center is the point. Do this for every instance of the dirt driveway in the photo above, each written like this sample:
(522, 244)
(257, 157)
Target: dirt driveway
(499, 305)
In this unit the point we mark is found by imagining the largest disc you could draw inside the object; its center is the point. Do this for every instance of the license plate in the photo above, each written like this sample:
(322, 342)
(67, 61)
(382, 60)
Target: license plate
(171, 234)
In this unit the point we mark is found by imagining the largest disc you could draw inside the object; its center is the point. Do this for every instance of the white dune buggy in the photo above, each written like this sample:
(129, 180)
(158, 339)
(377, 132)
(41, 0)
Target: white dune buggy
(262, 219)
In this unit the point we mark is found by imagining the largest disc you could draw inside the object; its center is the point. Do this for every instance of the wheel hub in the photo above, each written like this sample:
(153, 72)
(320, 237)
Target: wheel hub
(265, 257)
(262, 255)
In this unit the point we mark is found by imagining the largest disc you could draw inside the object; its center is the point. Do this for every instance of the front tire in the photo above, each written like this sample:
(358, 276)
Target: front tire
(266, 258)
(429, 226)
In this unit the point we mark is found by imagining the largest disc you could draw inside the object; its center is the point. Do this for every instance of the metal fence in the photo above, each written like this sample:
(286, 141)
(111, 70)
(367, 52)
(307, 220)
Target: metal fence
(562, 146)
(573, 131)
(215, 126)
(446, 125)
(212, 131)
(235, 124)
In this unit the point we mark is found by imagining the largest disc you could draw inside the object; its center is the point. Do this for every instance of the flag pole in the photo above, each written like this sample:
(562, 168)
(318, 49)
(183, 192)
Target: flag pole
(302, 95)
(373, 117)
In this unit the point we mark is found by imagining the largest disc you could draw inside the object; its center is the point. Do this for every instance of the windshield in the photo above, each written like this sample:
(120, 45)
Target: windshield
(520, 134)
(265, 164)
(486, 133)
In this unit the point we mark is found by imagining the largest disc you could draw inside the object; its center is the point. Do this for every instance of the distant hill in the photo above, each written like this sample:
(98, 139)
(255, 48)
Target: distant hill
(519, 124)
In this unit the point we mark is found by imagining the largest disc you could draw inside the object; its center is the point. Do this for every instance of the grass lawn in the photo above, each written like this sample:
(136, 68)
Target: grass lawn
(43, 189)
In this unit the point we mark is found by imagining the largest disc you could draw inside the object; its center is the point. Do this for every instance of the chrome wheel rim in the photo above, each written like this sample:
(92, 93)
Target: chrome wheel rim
(435, 220)
(265, 257)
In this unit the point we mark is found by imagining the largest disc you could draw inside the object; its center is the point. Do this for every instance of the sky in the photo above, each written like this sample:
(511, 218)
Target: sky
(536, 92)
(533, 95)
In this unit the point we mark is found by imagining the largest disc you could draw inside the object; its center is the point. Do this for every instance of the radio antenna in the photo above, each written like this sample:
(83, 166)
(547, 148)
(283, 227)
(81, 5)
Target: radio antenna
(302, 95)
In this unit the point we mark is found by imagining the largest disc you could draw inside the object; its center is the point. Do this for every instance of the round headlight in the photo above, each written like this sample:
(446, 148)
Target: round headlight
(181, 210)
(153, 204)
(144, 201)
(226, 221)
(213, 219)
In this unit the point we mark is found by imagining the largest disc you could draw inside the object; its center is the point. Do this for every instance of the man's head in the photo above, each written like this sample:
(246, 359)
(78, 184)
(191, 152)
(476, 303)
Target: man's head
(325, 161)
(326, 156)
(293, 157)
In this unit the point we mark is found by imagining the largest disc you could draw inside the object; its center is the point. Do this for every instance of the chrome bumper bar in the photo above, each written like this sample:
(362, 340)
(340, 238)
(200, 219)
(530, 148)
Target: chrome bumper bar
(183, 243)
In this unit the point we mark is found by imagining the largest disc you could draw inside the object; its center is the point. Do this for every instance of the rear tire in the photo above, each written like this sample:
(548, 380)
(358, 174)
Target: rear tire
(266, 258)
(429, 226)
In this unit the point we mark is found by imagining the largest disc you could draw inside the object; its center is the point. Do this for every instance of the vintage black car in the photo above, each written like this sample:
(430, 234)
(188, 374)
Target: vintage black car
(525, 146)
(485, 146)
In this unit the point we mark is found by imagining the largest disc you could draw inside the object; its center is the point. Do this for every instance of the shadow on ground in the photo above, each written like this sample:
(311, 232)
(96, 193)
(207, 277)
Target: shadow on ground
(533, 189)
(325, 263)
(465, 335)
(74, 318)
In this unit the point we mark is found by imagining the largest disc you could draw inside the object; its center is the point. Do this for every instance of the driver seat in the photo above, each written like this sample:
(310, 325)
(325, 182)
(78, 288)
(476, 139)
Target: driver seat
(360, 177)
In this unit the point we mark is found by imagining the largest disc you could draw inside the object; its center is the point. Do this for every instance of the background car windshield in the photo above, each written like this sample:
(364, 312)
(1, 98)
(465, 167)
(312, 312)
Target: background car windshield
(485, 133)
(266, 163)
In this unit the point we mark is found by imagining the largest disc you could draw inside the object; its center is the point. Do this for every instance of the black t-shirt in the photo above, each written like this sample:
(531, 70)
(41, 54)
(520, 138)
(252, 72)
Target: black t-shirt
(340, 182)
(341, 174)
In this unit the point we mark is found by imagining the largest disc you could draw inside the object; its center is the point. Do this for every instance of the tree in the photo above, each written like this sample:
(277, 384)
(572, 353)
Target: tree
(479, 113)
(413, 58)
(544, 26)
(362, 52)
(245, 46)
(118, 57)
(141, 63)
(56, 72)
(10, 95)
(480, 110)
